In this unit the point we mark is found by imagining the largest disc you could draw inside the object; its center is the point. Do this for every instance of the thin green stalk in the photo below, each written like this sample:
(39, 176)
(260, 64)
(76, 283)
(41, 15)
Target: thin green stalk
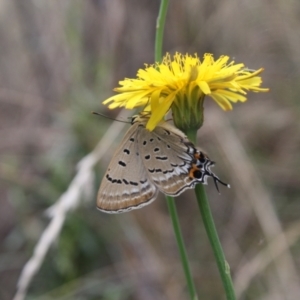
(223, 266)
(160, 26)
(181, 247)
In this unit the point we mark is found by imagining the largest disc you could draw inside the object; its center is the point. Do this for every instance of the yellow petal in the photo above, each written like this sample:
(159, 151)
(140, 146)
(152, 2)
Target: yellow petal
(154, 100)
(222, 101)
(158, 114)
(204, 87)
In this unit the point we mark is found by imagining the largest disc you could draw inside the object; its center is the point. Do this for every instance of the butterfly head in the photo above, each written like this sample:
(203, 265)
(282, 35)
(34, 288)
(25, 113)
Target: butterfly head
(141, 117)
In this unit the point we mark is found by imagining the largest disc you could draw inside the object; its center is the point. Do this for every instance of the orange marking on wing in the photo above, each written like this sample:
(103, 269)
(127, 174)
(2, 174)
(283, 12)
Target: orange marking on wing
(192, 170)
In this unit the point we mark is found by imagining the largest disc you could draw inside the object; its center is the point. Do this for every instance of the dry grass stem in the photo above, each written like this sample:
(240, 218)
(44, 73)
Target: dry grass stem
(80, 186)
(250, 185)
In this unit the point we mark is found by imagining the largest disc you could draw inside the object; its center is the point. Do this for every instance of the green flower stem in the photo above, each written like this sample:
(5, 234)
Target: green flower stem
(181, 247)
(160, 26)
(223, 266)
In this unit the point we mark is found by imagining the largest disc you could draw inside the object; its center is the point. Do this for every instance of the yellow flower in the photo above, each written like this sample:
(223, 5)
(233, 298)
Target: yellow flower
(186, 78)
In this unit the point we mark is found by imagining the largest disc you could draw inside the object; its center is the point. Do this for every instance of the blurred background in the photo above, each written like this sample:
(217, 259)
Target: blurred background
(58, 61)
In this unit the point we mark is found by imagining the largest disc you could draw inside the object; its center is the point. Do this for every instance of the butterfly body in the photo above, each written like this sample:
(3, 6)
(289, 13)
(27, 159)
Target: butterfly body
(147, 162)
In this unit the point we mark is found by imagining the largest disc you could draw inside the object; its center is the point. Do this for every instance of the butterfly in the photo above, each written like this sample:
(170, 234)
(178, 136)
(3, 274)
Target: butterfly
(150, 161)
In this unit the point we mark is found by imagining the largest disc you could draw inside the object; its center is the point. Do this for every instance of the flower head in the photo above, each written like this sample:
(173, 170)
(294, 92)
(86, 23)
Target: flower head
(185, 80)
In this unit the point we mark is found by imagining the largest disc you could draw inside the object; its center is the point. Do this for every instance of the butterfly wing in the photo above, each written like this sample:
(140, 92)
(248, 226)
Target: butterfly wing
(168, 157)
(125, 185)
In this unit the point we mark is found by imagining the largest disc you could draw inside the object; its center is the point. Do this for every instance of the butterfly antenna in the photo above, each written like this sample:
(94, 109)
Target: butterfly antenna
(107, 117)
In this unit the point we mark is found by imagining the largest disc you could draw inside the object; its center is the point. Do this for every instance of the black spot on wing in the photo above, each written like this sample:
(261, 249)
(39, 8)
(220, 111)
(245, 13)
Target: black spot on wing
(118, 181)
(197, 174)
(183, 164)
(161, 157)
(168, 171)
(133, 183)
(180, 166)
(108, 178)
(121, 163)
(155, 170)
